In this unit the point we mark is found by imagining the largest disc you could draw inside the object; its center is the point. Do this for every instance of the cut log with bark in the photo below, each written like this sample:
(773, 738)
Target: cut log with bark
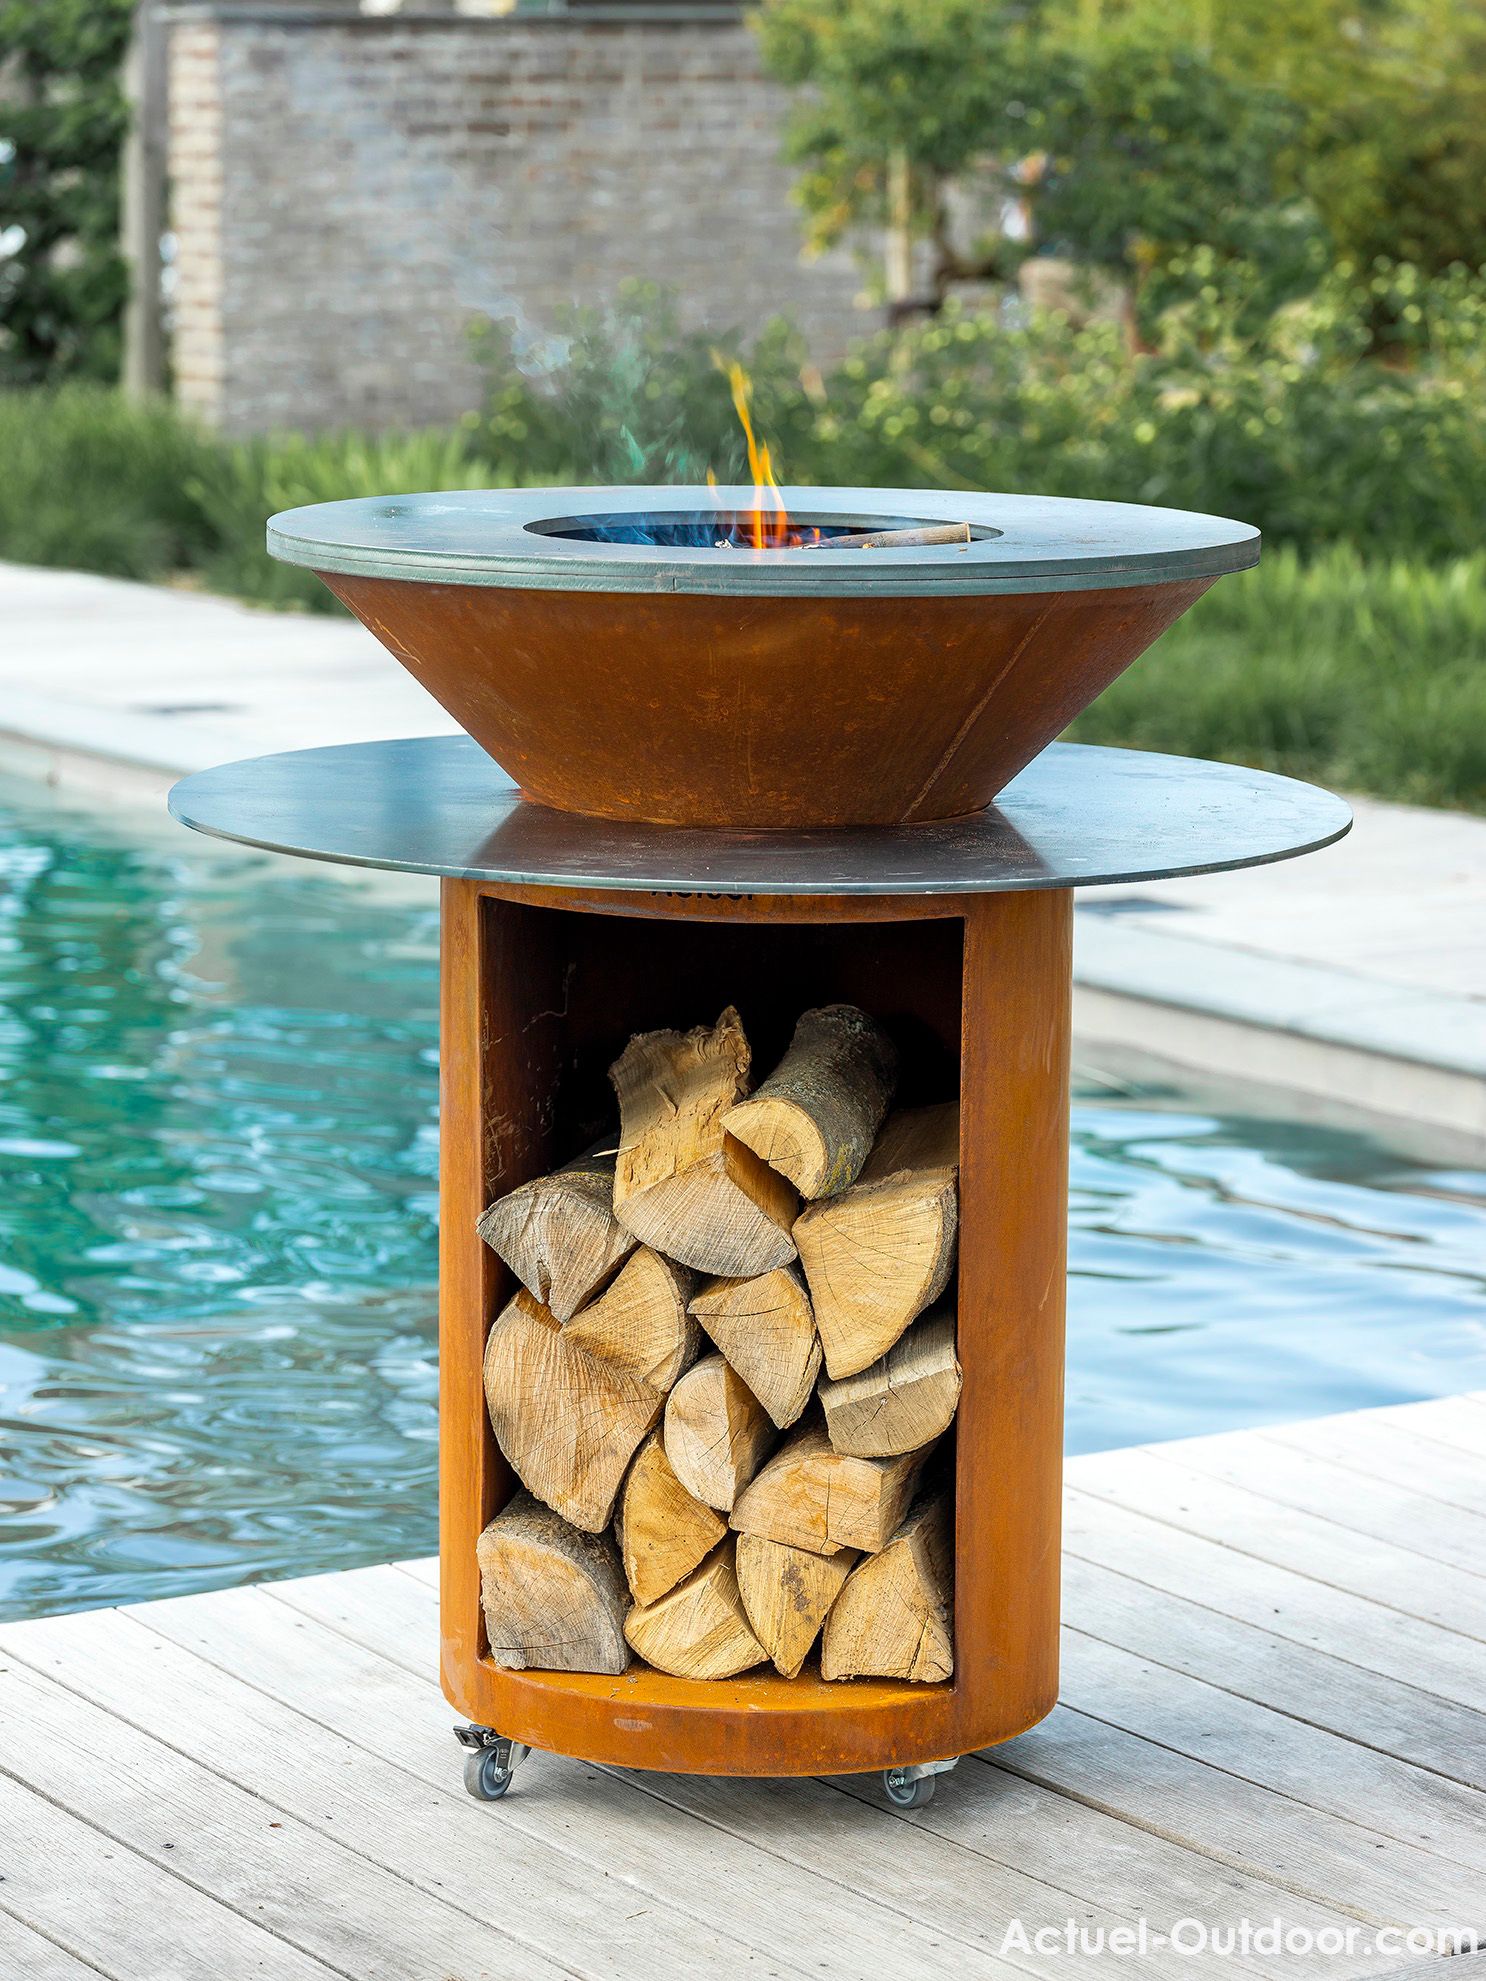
(766, 1329)
(817, 1115)
(786, 1593)
(894, 1618)
(699, 1630)
(902, 1402)
(812, 1496)
(876, 1256)
(640, 1324)
(554, 1597)
(567, 1420)
(681, 1183)
(663, 1532)
(717, 1433)
(559, 1234)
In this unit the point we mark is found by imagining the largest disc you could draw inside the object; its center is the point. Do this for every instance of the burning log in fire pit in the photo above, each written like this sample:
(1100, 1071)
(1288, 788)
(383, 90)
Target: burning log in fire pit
(711, 1515)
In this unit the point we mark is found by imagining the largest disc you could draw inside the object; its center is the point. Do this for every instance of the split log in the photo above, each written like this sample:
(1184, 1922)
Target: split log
(663, 1532)
(786, 1593)
(640, 1323)
(699, 1630)
(809, 1496)
(894, 1617)
(554, 1598)
(567, 1420)
(905, 1400)
(816, 1116)
(766, 1329)
(682, 1184)
(880, 1253)
(717, 1433)
(559, 1234)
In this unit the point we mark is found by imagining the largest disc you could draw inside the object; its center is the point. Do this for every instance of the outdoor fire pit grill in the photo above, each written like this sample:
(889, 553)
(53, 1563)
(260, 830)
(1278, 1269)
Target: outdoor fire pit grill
(830, 682)
(630, 653)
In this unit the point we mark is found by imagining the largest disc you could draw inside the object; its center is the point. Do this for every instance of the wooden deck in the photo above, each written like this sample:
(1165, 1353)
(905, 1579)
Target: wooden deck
(1274, 1705)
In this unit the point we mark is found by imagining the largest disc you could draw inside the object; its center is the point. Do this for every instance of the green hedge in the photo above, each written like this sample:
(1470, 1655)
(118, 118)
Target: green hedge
(1368, 674)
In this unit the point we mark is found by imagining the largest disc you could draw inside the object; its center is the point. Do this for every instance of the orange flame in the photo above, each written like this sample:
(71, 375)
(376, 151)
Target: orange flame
(768, 522)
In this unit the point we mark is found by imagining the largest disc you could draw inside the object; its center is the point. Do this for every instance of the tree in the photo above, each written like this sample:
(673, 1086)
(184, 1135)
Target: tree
(1151, 150)
(1123, 149)
(62, 121)
(898, 99)
(1390, 142)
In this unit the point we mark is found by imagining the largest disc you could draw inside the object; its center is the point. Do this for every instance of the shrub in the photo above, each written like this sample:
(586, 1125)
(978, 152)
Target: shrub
(100, 483)
(1272, 414)
(242, 485)
(1370, 674)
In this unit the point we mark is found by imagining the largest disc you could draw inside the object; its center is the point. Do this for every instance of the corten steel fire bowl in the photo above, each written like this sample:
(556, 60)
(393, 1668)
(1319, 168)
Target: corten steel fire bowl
(628, 653)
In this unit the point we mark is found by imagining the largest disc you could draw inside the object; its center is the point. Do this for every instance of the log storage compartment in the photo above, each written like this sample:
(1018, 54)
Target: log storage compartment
(812, 1570)
(718, 1493)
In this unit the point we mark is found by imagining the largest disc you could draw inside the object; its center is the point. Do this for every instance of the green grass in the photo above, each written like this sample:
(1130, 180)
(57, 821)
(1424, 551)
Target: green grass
(1370, 675)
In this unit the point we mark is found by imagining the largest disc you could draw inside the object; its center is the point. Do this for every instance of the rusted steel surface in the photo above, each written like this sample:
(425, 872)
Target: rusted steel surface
(761, 711)
(536, 1001)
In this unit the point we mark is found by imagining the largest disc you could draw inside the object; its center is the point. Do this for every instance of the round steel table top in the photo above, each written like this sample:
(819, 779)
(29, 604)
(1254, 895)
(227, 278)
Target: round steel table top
(1076, 817)
(512, 537)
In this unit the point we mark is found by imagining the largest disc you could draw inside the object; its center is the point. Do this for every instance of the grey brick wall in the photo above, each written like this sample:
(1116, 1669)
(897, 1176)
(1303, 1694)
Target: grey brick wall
(347, 193)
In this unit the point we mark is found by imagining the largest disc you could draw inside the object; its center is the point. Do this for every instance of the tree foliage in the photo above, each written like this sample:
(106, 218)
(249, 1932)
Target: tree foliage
(1120, 148)
(1129, 131)
(1390, 140)
(62, 122)
(949, 88)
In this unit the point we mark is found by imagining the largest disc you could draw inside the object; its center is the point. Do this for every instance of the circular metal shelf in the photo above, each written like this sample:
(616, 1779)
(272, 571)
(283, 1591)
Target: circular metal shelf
(1077, 816)
(513, 538)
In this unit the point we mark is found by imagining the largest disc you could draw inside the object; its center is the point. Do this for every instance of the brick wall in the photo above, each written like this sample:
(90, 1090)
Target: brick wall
(348, 193)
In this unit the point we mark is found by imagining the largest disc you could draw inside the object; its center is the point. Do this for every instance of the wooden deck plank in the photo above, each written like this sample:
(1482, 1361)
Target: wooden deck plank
(594, 1819)
(1350, 1627)
(1309, 1685)
(120, 1914)
(252, 1855)
(807, 1832)
(1388, 1451)
(27, 1954)
(413, 1825)
(1430, 1822)
(1274, 1704)
(804, 1823)
(1105, 1860)
(1250, 1828)
(1458, 1421)
(1312, 1484)
(1148, 1481)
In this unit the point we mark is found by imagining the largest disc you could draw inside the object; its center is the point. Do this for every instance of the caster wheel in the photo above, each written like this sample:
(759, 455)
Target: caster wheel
(484, 1776)
(906, 1794)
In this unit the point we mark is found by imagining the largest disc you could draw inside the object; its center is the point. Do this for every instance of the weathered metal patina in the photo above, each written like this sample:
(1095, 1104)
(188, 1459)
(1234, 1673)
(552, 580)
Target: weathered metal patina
(622, 652)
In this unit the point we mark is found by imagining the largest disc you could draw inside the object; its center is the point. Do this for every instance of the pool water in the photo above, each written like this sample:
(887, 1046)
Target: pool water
(217, 1228)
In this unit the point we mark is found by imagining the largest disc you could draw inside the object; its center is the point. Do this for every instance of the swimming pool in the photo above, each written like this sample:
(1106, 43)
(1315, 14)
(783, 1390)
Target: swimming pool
(217, 1228)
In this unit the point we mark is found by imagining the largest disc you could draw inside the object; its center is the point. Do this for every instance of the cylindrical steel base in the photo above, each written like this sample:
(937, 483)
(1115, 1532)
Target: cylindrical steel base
(541, 987)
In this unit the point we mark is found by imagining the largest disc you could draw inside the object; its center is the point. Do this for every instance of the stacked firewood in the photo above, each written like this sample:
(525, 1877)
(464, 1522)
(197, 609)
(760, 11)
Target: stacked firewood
(725, 1381)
